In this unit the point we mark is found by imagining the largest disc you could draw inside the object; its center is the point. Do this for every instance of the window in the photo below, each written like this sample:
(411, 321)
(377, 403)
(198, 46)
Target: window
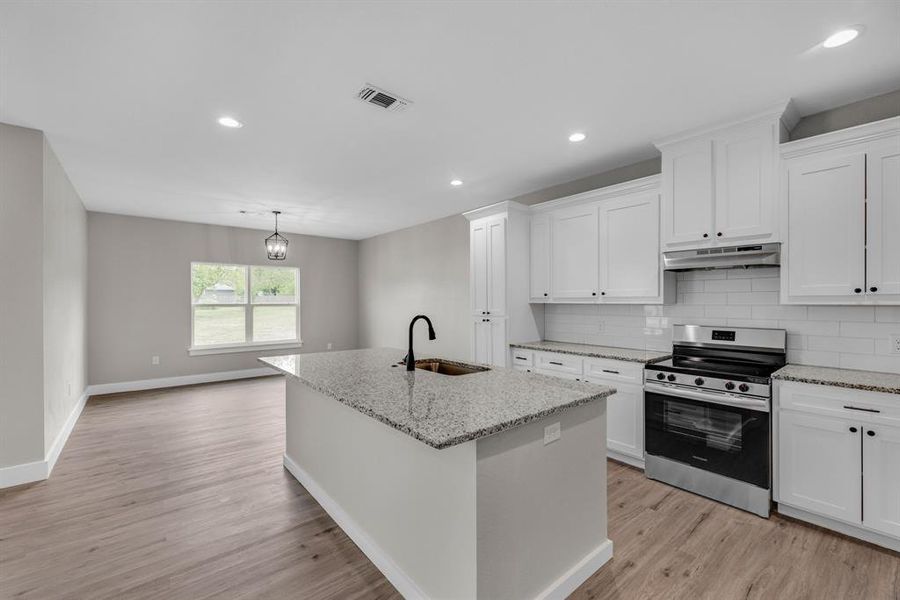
(240, 307)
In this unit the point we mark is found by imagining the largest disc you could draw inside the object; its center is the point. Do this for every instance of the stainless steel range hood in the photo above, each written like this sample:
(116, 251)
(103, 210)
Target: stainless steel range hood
(727, 257)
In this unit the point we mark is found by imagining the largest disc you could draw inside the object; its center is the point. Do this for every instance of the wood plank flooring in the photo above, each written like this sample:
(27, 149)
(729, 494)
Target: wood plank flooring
(180, 494)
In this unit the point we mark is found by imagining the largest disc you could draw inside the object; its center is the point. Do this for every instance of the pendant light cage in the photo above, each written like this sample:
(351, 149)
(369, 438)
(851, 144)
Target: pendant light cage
(276, 244)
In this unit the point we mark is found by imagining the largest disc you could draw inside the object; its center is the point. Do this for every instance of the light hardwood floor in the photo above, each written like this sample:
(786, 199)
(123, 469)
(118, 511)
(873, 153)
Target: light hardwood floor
(180, 494)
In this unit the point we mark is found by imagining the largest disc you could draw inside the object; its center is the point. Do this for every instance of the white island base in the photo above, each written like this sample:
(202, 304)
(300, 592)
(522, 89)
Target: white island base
(503, 516)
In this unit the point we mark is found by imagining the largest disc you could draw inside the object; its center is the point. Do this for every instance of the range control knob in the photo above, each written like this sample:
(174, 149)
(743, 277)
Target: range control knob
(744, 387)
(729, 386)
(699, 381)
(671, 377)
(660, 376)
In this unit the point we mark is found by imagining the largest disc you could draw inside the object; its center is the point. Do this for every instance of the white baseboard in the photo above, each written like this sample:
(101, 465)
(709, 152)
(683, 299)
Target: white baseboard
(873, 537)
(24, 473)
(63, 436)
(166, 382)
(398, 578)
(587, 566)
(624, 458)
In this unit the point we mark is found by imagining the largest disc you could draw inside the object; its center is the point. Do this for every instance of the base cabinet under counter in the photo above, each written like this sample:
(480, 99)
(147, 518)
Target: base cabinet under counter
(837, 459)
(624, 409)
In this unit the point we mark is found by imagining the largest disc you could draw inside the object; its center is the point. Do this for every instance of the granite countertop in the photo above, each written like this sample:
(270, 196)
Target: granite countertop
(626, 354)
(871, 381)
(439, 410)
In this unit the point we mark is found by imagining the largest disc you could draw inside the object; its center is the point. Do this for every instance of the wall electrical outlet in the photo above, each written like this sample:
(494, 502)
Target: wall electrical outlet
(551, 433)
(330, 345)
(154, 360)
(895, 343)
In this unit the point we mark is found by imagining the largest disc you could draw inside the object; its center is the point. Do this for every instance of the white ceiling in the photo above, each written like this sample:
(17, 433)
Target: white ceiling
(128, 94)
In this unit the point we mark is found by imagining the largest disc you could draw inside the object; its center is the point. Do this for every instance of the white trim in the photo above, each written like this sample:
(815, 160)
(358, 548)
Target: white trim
(867, 535)
(381, 559)
(63, 436)
(642, 184)
(165, 382)
(498, 208)
(783, 111)
(206, 350)
(625, 459)
(25, 473)
(850, 136)
(578, 574)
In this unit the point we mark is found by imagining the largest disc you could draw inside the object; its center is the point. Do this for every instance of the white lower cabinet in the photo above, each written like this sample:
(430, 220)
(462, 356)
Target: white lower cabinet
(837, 456)
(819, 465)
(489, 344)
(624, 409)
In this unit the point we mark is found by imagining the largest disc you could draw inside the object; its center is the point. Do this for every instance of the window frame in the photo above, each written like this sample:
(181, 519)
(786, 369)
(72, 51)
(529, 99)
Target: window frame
(249, 345)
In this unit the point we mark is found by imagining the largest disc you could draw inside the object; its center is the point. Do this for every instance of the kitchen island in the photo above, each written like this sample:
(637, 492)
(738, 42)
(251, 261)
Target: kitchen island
(490, 484)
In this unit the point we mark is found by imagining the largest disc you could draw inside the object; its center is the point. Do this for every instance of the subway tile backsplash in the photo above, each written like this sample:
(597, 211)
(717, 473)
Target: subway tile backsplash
(852, 337)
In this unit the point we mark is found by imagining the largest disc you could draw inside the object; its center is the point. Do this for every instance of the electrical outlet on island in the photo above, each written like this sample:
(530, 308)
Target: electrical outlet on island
(551, 433)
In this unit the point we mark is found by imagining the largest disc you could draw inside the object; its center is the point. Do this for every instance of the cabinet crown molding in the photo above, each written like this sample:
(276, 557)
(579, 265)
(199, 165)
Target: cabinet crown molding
(649, 183)
(867, 132)
(784, 111)
(495, 209)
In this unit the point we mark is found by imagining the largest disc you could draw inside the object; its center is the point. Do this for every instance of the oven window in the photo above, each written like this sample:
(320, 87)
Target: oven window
(716, 428)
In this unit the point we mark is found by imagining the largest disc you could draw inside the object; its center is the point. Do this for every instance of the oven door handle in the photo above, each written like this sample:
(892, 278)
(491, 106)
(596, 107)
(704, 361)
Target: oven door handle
(760, 405)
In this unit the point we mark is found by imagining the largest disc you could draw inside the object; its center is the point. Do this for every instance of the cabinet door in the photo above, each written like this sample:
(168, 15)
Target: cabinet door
(496, 304)
(574, 256)
(629, 247)
(745, 198)
(819, 465)
(881, 479)
(478, 266)
(826, 226)
(687, 197)
(883, 219)
(499, 347)
(624, 419)
(540, 258)
(481, 341)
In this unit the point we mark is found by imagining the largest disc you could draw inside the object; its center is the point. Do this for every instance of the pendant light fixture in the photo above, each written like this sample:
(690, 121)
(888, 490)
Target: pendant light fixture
(276, 244)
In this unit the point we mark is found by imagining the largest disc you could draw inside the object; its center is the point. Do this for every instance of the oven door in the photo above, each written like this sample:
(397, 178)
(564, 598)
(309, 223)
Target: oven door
(699, 429)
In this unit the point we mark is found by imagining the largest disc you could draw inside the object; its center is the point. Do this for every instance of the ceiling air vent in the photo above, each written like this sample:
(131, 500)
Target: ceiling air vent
(379, 97)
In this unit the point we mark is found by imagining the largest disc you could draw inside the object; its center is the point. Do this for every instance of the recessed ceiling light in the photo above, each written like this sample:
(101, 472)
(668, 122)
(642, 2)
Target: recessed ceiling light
(230, 122)
(840, 38)
(577, 137)
(456, 182)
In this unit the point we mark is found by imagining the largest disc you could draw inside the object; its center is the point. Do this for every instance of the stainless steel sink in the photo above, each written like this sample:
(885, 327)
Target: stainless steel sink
(446, 367)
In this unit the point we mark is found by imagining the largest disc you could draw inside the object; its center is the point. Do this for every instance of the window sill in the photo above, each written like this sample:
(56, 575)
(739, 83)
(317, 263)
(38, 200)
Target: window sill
(207, 350)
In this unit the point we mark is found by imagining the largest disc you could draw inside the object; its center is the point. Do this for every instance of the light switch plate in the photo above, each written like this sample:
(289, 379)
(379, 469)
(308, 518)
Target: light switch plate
(551, 433)
(895, 343)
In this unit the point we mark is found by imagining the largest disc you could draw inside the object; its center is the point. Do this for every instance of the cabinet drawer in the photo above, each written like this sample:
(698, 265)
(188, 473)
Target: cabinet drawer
(559, 363)
(857, 405)
(614, 370)
(559, 374)
(522, 358)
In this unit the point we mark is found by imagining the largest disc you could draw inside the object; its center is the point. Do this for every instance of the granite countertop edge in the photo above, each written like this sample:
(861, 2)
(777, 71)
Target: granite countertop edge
(607, 352)
(842, 378)
(449, 442)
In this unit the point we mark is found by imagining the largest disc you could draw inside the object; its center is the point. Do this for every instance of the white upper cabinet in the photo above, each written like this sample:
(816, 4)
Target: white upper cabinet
(827, 225)
(883, 218)
(540, 258)
(720, 185)
(745, 175)
(841, 217)
(687, 218)
(574, 252)
(487, 256)
(629, 247)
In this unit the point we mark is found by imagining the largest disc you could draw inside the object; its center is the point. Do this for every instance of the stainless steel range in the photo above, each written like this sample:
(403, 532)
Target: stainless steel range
(707, 413)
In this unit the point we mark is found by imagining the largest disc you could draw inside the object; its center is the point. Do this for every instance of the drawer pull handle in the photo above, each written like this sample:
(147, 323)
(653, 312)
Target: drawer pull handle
(521, 358)
(871, 410)
(610, 371)
(558, 364)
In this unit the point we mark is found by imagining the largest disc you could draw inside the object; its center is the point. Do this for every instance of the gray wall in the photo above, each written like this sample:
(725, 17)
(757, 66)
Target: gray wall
(21, 311)
(139, 294)
(64, 296)
(422, 269)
